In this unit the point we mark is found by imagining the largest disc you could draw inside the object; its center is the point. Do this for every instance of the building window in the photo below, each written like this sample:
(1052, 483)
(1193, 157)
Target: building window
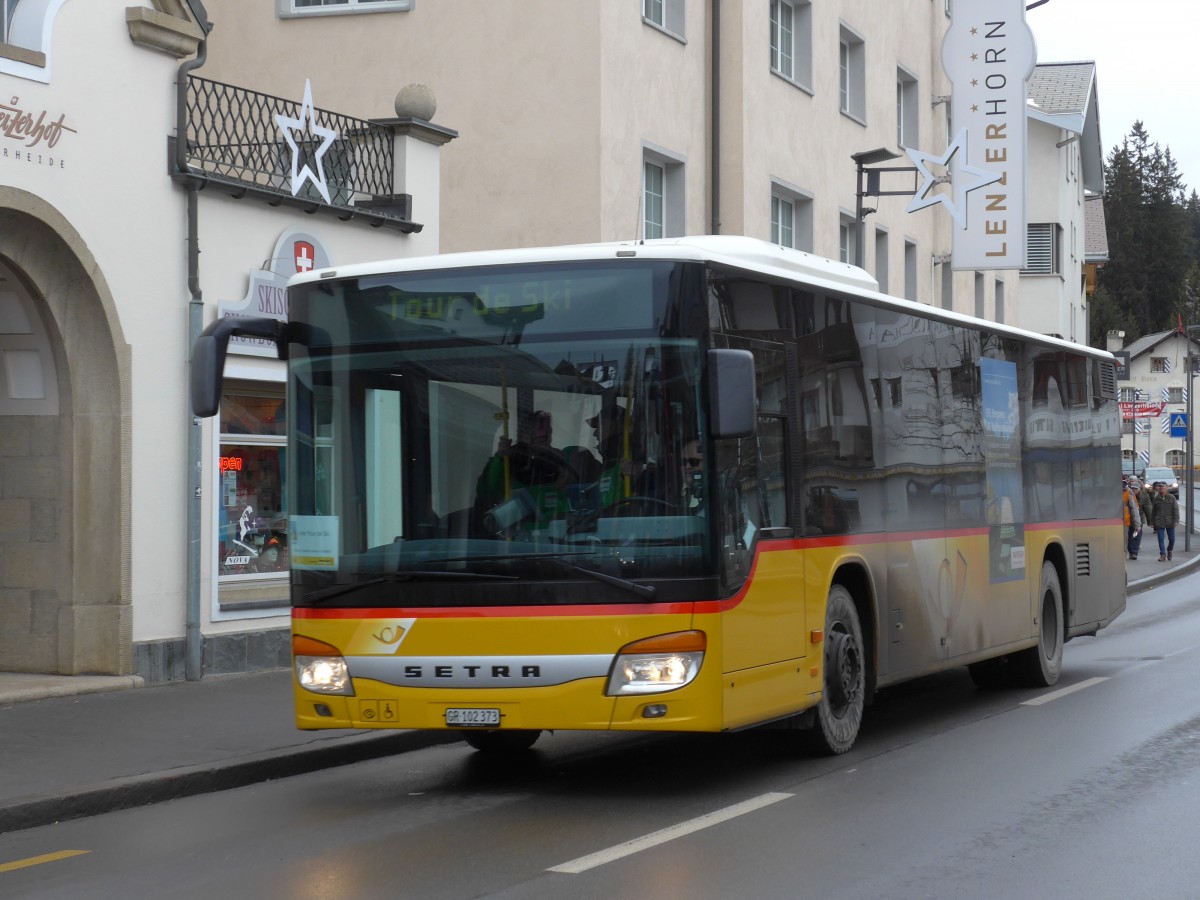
(1042, 241)
(881, 259)
(665, 14)
(1175, 395)
(251, 519)
(979, 298)
(852, 69)
(947, 285)
(654, 178)
(7, 9)
(783, 219)
(906, 109)
(847, 237)
(999, 301)
(1160, 364)
(910, 270)
(791, 40)
(791, 218)
(662, 196)
(1128, 394)
(288, 8)
(895, 392)
(1127, 426)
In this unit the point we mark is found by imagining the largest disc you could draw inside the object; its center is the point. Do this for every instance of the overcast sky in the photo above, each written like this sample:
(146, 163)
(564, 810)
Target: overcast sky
(1145, 53)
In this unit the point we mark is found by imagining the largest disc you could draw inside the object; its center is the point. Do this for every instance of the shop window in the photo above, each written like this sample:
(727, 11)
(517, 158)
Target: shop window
(251, 514)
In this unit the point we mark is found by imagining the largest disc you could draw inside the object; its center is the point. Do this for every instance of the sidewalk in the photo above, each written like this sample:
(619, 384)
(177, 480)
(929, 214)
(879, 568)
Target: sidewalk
(83, 745)
(89, 745)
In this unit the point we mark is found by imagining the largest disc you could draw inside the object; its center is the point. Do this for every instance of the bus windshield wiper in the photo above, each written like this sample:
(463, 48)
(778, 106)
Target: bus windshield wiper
(645, 591)
(338, 590)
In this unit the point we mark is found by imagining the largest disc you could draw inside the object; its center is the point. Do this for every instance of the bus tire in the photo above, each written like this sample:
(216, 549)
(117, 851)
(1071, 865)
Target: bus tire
(843, 689)
(1041, 665)
(501, 742)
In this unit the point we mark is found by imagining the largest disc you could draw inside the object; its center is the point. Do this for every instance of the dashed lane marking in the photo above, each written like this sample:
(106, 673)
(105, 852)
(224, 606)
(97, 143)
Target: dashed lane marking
(583, 863)
(1055, 695)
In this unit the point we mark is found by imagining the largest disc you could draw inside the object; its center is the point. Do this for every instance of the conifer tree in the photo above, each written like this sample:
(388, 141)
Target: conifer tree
(1151, 242)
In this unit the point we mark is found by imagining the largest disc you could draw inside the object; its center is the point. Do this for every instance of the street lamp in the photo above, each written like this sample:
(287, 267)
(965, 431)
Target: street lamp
(863, 159)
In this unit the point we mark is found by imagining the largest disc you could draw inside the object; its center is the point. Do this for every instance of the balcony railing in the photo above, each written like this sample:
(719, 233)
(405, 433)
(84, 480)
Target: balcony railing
(235, 141)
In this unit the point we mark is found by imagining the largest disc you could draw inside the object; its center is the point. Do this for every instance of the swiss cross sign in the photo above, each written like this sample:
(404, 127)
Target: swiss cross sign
(305, 257)
(1178, 424)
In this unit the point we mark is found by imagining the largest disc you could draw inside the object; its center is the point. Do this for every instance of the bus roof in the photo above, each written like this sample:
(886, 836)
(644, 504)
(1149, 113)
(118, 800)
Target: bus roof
(749, 254)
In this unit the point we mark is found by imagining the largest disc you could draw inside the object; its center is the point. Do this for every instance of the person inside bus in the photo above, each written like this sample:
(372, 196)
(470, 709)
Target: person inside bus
(681, 487)
(531, 468)
(614, 466)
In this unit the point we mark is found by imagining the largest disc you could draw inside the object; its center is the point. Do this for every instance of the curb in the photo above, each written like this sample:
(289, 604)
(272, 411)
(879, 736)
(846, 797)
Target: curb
(1144, 584)
(142, 790)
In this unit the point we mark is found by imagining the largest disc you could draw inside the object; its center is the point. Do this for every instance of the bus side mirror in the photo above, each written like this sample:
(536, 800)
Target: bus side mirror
(732, 404)
(208, 356)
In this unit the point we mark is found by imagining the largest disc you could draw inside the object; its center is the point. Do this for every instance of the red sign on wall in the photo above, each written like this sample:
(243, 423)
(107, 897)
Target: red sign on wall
(1141, 409)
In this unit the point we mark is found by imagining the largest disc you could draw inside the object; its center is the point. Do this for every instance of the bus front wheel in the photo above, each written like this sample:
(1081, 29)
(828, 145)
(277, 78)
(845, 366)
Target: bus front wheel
(501, 742)
(1040, 666)
(843, 690)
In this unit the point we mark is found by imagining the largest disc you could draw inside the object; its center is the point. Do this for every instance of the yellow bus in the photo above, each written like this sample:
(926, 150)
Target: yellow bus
(695, 484)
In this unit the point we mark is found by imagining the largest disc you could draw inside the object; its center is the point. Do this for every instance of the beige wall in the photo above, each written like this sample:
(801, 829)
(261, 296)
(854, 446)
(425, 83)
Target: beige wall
(555, 101)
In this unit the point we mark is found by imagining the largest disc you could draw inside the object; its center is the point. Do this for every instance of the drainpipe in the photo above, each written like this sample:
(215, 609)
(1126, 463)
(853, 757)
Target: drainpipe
(715, 87)
(193, 646)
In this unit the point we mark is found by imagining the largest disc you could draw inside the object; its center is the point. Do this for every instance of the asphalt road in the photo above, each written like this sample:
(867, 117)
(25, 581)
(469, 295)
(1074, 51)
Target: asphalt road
(1089, 790)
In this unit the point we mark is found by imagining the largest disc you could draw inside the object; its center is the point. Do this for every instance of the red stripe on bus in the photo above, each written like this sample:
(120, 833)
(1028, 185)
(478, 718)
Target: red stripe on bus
(669, 609)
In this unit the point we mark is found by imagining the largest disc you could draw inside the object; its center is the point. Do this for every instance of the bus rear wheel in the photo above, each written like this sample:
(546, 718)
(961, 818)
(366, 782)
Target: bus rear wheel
(501, 742)
(1041, 665)
(839, 714)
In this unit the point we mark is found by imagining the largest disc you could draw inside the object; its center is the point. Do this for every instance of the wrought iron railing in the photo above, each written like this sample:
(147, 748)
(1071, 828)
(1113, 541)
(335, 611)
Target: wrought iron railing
(234, 138)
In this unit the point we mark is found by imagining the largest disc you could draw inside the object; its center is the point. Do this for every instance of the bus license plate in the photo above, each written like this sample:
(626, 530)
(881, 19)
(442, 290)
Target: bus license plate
(473, 717)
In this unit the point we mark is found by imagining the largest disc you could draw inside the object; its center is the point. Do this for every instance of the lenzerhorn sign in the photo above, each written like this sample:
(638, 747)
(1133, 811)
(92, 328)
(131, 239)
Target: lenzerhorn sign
(988, 54)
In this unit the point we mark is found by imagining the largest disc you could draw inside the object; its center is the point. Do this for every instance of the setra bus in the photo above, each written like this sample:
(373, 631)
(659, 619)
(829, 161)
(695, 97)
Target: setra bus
(694, 484)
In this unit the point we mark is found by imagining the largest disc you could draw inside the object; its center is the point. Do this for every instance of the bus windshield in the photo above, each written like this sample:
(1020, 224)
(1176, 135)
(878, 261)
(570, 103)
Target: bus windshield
(501, 426)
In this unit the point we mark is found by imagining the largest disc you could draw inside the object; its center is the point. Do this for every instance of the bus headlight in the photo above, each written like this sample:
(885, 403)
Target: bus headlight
(320, 668)
(657, 664)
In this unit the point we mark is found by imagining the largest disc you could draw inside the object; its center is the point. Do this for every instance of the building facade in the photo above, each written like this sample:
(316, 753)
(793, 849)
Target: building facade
(116, 244)
(1155, 373)
(1066, 167)
(136, 539)
(654, 117)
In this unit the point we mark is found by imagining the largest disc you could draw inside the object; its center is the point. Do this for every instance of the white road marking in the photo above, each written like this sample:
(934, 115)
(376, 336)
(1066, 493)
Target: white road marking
(1056, 695)
(592, 860)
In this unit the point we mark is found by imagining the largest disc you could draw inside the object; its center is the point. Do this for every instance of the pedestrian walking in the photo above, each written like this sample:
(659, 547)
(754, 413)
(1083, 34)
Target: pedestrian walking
(1145, 502)
(1164, 518)
(1133, 519)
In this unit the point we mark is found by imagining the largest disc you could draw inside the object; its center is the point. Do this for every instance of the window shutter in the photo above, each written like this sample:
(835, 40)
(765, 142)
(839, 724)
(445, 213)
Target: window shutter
(1039, 249)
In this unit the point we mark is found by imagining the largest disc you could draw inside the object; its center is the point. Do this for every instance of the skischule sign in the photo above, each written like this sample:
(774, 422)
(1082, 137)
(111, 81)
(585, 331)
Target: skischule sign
(31, 135)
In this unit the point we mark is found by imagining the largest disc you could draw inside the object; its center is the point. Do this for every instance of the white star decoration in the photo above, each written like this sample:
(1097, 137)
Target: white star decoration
(307, 125)
(959, 188)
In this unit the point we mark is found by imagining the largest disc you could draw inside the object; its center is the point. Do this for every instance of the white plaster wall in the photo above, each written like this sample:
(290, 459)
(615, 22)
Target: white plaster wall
(114, 189)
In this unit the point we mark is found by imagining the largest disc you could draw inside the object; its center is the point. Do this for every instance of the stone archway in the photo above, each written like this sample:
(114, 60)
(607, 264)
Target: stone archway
(65, 604)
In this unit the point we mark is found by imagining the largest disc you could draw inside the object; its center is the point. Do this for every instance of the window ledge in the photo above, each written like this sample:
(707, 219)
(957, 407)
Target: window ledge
(169, 34)
(22, 55)
(799, 85)
(659, 28)
(854, 117)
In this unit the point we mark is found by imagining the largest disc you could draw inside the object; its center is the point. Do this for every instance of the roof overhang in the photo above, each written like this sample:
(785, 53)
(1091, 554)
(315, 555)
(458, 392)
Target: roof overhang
(1086, 124)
